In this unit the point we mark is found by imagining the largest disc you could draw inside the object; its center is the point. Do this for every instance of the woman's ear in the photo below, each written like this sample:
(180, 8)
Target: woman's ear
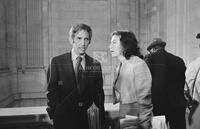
(122, 52)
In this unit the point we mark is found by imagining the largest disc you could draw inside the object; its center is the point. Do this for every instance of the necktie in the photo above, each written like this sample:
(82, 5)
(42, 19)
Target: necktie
(79, 73)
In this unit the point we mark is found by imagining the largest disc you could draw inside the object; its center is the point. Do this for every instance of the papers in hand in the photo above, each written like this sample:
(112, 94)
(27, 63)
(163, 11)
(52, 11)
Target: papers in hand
(111, 107)
(130, 117)
(129, 120)
(112, 110)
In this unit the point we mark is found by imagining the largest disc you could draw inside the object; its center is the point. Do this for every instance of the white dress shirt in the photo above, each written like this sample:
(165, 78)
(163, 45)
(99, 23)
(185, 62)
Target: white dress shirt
(74, 59)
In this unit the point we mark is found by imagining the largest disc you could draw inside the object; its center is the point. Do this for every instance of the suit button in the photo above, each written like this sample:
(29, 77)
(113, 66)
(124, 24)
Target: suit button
(60, 83)
(80, 104)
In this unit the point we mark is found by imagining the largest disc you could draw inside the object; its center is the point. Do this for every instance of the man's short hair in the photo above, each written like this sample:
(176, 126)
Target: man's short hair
(74, 29)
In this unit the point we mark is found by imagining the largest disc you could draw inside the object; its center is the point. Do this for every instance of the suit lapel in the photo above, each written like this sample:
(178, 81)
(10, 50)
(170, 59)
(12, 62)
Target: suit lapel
(116, 76)
(116, 86)
(68, 68)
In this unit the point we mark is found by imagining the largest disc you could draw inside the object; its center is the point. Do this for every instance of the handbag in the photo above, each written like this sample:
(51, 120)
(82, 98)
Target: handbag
(191, 103)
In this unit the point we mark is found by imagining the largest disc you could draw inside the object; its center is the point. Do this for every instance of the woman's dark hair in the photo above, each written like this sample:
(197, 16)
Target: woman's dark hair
(129, 43)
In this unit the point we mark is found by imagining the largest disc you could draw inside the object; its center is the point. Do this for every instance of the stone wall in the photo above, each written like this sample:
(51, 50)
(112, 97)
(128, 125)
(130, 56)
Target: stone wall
(33, 31)
(175, 21)
(22, 70)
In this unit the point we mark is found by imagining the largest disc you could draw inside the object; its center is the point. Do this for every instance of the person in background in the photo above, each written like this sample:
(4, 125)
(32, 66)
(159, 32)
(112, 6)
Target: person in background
(193, 81)
(168, 80)
(192, 76)
(74, 83)
(132, 83)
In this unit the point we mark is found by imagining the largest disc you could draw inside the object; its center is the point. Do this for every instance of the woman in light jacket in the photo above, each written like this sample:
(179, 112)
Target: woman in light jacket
(132, 82)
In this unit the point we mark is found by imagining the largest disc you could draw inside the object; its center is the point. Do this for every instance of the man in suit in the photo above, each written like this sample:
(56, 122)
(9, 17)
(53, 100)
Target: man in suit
(168, 80)
(74, 83)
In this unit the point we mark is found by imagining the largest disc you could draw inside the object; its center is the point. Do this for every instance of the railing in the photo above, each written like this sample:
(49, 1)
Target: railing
(24, 118)
(37, 118)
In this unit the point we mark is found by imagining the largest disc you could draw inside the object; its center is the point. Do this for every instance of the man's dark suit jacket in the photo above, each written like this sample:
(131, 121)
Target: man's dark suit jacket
(66, 106)
(168, 80)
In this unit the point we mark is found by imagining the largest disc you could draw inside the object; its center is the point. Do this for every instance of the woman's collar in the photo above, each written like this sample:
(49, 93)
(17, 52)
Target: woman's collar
(122, 59)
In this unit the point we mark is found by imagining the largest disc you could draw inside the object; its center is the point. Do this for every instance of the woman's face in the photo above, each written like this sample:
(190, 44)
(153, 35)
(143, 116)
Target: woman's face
(115, 46)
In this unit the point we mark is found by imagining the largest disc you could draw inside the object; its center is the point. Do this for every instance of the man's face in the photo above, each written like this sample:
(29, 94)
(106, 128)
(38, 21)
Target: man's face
(155, 49)
(152, 50)
(81, 42)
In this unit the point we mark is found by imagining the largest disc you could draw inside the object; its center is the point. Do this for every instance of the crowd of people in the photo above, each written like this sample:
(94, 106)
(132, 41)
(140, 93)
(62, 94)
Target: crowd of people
(144, 86)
